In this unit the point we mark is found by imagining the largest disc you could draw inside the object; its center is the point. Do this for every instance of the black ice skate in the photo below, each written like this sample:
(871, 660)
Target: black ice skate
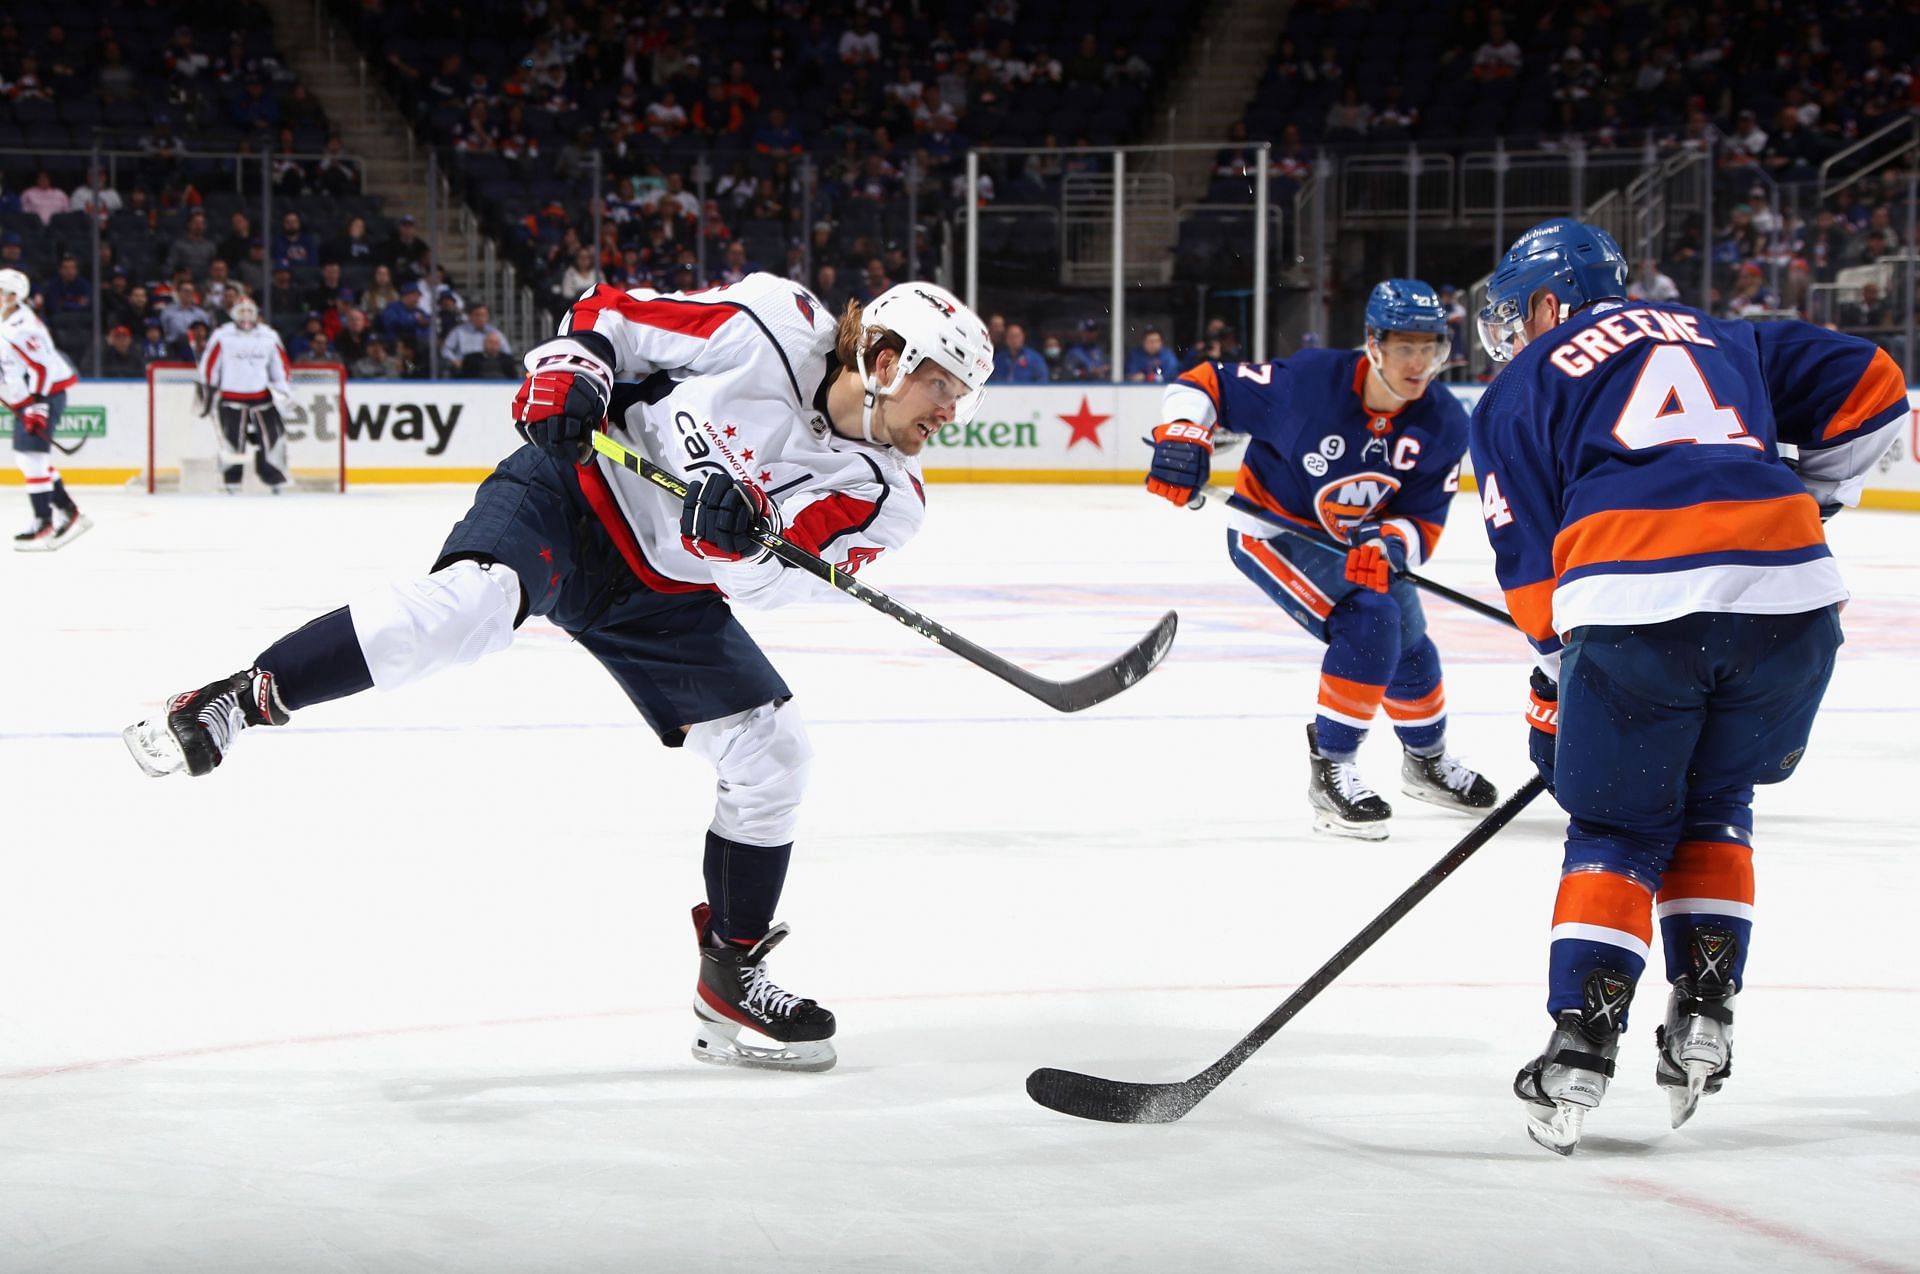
(38, 538)
(1696, 1040)
(1570, 1076)
(72, 528)
(735, 994)
(1343, 804)
(197, 727)
(1441, 780)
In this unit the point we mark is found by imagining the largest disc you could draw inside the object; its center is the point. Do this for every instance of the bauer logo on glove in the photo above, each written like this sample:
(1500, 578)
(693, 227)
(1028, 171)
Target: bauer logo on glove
(1182, 460)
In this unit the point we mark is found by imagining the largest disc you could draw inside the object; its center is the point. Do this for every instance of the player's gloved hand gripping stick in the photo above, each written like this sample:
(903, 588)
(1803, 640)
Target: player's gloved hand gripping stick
(1234, 501)
(1101, 684)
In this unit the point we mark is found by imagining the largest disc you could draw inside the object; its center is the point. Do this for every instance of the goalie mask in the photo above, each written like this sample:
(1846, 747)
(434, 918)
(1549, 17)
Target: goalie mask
(934, 324)
(245, 315)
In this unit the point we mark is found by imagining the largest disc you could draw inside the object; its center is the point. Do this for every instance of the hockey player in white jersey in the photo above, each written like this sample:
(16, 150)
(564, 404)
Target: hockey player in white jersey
(34, 380)
(777, 416)
(243, 374)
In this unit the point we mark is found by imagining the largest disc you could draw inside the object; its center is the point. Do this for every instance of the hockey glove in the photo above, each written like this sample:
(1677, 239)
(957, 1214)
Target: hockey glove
(1182, 460)
(33, 417)
(1543, 724)
(1378, 554)
(561, 403)
(722, 518)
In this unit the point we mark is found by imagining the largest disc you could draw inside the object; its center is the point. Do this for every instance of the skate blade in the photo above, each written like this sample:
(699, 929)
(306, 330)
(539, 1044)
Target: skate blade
(1330, 825)
(46, 544)
(73, 531)
(1559, 1132)
(153, 749)
(1446, 800)
(719, 1044)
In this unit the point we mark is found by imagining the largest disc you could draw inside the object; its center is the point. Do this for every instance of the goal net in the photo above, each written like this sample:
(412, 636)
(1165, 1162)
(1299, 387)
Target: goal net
(183, 446)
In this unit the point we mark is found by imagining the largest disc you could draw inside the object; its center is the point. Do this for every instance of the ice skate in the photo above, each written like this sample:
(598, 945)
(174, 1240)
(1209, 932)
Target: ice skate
(746, 1020)
(1570, 1076)
(1343, 804)
(1696, 1040)
(38, 538)
(197, 728)
(76, 525)
(1442, 780)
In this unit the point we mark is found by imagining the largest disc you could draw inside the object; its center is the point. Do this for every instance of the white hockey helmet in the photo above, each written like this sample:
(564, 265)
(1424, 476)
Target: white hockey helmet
(16, 284)
(934, 324)
(244, 314)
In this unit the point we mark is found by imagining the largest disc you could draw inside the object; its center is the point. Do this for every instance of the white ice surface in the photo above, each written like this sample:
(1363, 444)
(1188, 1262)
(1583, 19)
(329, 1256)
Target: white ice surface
(405, 986)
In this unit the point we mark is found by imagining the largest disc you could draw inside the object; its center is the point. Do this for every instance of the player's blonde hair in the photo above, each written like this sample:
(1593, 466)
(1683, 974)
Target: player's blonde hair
(853, 339)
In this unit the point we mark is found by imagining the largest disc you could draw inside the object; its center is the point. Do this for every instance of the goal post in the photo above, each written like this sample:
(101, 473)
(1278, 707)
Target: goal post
(183, 446)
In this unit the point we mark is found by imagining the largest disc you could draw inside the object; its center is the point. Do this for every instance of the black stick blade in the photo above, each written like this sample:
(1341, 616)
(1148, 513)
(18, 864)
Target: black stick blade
(1112, 1101)
(1105, 682)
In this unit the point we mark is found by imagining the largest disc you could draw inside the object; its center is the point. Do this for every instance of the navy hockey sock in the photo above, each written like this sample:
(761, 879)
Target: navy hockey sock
(61, 499)
(318, 661)
(743, 886)
(42, 505)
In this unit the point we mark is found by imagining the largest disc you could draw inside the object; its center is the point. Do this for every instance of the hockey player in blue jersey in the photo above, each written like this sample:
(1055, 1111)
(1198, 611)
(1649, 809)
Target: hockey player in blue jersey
(1672, 572)
(1349, 446)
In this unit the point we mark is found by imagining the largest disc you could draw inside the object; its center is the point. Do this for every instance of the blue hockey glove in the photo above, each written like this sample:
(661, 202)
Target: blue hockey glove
(1182, 460)
(1378, 554)
(1543, 724)
(722, 518)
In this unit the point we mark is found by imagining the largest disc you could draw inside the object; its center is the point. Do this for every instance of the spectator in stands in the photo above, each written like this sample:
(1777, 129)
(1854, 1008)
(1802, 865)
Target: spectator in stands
(350, 342)
(448, 313)
(43, 199)
(12, 253)
(26, 84)
(67, 292)
(1649, 284)
(1872, 310)
(1498, 58)
(1151, 361)
(826, 286)
(1452, 302)
(193, 251)
(1125, 67)
(162, 150)
(327, 294)
(406, 251)
(581, 274)
(578, 157)
(291, 176)
(471, 337)
(254, 111)
(1348, 118)
(1395, 120)
(95, 194)
(1086, 65)
(1793, 153)
(1869, 250)
(1018, 363)
(1088, 360)
(1880, 222)
(776, 136)
(402, 317)
(153, 343)
(1052, 353)
(491, 361)
(1750, 295)
(673, 200)
(252, 271)
(117, 306)
(859, 44)
(295, 244)
(351, 247)
(1745, 144)
(222, 292)
(872, 282)
(376, 363)
(116, 81)
(181, 312)
(120, 357)
(336, 172)
(234, 248)
(717, 118)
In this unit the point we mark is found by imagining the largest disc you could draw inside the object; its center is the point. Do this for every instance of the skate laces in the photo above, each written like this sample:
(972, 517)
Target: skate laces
(760, 992)
(223, 718)
(1348, 781)
(1453, 775)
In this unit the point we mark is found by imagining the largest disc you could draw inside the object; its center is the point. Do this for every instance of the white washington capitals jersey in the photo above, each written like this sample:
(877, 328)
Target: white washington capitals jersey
(30, 367)
(248, 366)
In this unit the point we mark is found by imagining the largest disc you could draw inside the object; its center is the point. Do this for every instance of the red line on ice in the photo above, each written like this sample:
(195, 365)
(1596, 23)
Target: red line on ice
(1760, 1225)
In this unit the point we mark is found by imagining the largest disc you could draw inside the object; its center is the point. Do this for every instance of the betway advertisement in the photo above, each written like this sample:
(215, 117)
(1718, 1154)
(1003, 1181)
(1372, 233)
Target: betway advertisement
(454, 431)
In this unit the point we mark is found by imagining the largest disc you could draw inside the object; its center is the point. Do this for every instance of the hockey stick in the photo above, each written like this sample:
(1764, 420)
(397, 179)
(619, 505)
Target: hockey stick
(1119, 1102)
(1233, 500)
(1101, 684)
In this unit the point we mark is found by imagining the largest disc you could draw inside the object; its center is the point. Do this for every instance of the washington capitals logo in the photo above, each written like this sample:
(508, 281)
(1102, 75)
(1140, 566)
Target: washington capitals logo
(943, 306)
(804, 303)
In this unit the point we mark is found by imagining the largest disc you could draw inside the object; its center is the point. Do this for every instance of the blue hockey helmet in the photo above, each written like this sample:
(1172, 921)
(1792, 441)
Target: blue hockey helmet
(1407, 305)
(1578, 263)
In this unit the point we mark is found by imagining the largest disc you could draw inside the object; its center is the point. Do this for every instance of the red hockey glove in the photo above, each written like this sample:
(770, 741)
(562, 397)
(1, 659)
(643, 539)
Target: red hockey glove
(722, 518)
(1182, 460)
(34, 417)
(560, 405)
(1378, 553)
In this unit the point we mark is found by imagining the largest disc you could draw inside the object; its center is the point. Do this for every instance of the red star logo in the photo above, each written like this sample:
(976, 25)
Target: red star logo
(1085, 424)
(731, 431)
(546, 555)
(747, 455)
(766, 476)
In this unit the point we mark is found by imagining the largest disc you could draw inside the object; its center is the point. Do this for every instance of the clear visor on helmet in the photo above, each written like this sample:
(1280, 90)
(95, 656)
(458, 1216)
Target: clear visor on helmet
(1502, 325)
(947, 389)
(1411, 354)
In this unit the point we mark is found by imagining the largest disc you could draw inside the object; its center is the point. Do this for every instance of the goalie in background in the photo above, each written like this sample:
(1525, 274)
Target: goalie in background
(244, 371)
(34, 380)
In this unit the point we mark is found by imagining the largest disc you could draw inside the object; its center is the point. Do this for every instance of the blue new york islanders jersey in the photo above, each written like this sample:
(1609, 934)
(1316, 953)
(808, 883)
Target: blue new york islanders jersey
(1315, 454)
(1630, 469)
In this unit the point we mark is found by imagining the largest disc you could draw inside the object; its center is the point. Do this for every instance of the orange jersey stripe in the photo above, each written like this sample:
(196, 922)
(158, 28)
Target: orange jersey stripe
(1531, 606)
(1251, 488)
(1647, 535)
(1427, 705)
(1881, 386)
(1202, 377)
(1709, 869)
(1303, 590)
(1350, 698)
(1607, 900)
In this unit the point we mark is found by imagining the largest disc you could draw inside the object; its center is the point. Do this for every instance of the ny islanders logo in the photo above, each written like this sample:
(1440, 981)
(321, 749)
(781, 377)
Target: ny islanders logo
(1346, 502)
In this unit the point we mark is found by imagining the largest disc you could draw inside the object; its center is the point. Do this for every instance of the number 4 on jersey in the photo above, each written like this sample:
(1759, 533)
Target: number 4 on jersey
(1493, 505)
(1672, 402)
